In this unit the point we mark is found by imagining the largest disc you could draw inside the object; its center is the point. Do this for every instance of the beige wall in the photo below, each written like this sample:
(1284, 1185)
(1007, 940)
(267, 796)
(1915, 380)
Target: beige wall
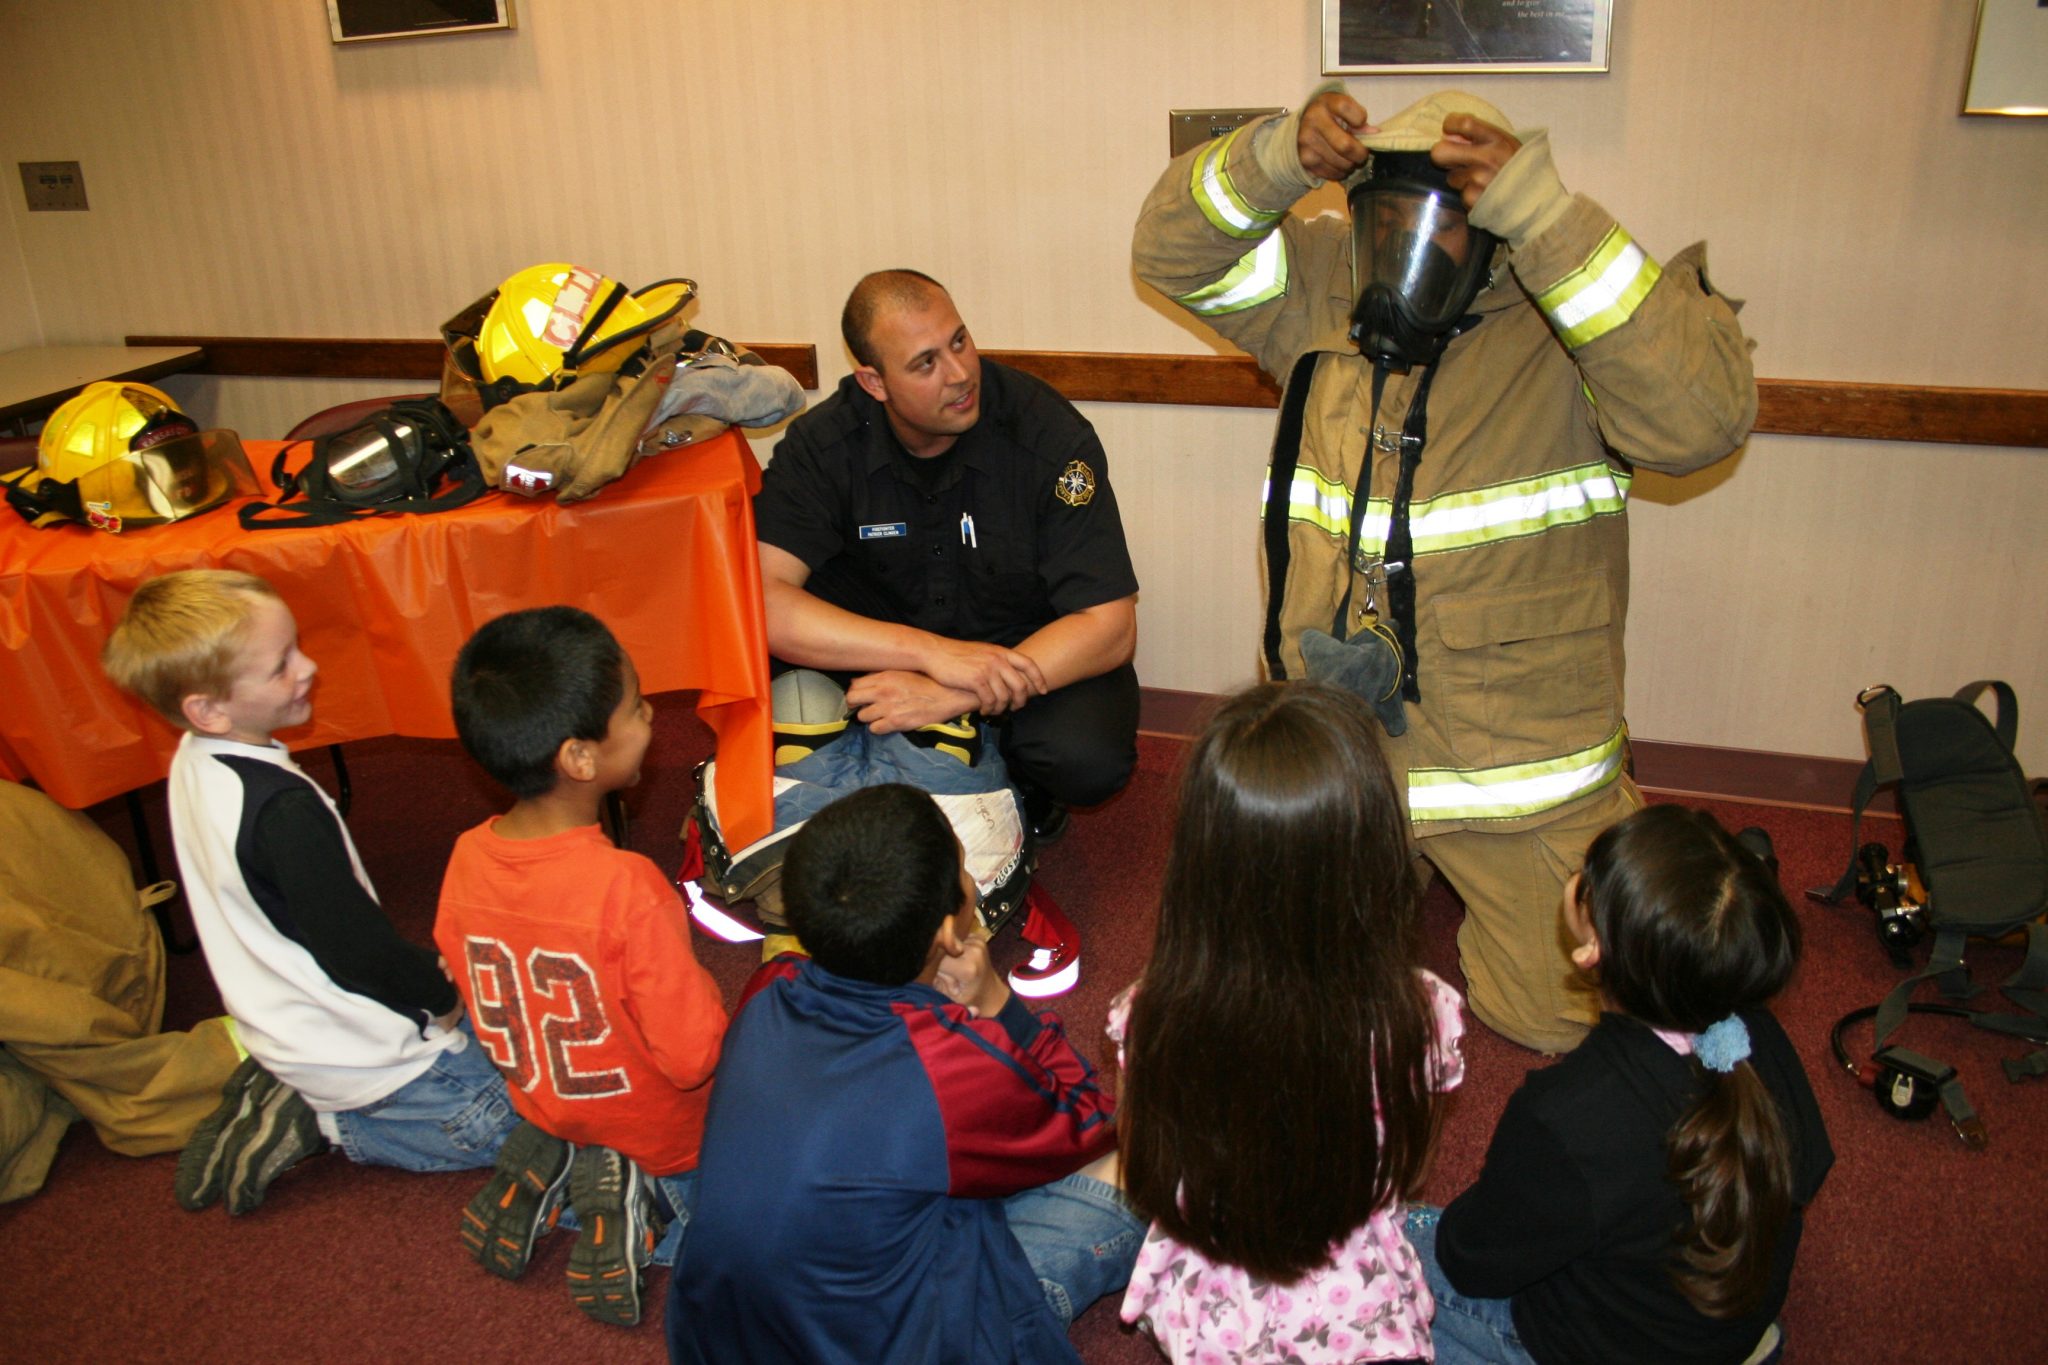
(18, 325)
(247, 177)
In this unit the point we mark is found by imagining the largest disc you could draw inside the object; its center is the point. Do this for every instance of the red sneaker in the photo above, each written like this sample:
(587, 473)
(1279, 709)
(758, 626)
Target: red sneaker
(1055, 965)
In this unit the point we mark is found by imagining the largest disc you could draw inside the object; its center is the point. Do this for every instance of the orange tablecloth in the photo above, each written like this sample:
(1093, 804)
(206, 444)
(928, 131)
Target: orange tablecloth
(665, 556)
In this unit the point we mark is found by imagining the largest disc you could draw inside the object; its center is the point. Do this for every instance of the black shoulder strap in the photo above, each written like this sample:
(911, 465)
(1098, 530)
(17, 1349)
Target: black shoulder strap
(1279, 493)
(2007, 724)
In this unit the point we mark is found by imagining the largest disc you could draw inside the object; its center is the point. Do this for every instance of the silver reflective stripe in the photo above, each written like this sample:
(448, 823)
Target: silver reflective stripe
(1603, 293)
(1314, 499)
(1514, 790)
(1459, 521)
(1217, 197)
(1260, 274)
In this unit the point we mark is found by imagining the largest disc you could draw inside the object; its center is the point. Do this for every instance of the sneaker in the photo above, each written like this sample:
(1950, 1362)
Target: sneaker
(621, 1224)
(520, 1203)
(276, 1135)
(202, 1165)
(1055, 965)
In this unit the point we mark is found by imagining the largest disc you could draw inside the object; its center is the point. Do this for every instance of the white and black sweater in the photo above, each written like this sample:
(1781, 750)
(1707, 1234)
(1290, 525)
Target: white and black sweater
(324, 992)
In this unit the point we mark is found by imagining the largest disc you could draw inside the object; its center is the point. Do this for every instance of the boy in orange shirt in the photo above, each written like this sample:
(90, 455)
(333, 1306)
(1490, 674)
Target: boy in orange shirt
(574, 957)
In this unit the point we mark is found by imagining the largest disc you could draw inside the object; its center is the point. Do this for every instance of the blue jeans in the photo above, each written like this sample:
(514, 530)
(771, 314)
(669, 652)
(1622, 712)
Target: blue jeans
(1080, 1237)
(1467, 1331)
(451, 1117)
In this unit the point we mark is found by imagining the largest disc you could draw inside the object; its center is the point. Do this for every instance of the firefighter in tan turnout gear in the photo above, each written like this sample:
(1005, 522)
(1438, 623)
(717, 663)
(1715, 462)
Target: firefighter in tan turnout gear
(1473, 365)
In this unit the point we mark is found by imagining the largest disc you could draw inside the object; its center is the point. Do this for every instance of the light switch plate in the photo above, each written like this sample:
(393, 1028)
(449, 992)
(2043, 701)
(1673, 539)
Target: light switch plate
(1192, 127)
(51, 185)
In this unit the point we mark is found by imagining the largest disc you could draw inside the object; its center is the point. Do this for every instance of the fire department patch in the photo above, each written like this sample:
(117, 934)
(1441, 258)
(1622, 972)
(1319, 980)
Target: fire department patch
(1075, 485)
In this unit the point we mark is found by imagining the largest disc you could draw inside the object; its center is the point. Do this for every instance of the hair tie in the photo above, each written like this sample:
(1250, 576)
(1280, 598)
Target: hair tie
(1722, 1045)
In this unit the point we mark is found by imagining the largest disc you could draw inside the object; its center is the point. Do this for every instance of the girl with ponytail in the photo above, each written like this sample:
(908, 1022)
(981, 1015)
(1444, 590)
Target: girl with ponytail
(1642, 1199)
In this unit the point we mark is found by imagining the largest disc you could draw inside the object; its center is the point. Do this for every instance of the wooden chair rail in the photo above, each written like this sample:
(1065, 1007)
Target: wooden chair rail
(348, 358)
(1793, 407)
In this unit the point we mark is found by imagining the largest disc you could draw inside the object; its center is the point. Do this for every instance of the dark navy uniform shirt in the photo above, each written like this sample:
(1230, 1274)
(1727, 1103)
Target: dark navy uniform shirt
(1018, 528)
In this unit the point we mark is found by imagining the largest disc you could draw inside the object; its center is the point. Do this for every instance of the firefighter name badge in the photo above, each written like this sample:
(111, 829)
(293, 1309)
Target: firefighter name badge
(1076, 484)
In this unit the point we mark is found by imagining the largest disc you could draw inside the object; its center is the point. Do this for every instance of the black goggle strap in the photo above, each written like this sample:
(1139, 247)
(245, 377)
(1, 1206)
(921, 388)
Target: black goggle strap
(46, 502)
(585, 349)
(587, 340)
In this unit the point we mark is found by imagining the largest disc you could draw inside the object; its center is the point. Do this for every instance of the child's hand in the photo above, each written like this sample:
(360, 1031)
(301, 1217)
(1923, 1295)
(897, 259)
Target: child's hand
(969, 978)
(447, 1022)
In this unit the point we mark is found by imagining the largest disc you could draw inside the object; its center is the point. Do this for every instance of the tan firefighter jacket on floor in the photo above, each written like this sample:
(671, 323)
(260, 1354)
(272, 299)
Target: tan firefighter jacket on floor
(1590, 360)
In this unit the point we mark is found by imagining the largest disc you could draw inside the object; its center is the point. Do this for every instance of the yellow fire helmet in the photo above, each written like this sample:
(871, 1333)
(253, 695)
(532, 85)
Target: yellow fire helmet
(119, 455)
(553, 320)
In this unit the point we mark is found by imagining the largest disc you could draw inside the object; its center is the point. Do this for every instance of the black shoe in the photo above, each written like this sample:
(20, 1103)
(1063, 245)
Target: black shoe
(520, 1203)
(622, 1223)
(1046, 818)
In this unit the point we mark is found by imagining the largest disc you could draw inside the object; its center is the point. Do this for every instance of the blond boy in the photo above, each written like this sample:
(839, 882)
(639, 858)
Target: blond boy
(355, 1035)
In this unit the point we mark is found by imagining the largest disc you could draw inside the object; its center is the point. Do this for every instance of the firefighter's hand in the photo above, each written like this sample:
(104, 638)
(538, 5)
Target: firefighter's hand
(1473, 151)
(997, 679)
(1327, 141)
(901, 700)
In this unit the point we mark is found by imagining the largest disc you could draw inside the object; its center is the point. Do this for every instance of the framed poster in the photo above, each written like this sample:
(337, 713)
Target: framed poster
(357, 21)
(2009, 59)
(1404, 37)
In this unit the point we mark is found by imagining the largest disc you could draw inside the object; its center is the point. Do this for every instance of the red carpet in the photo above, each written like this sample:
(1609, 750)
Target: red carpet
(1917, 1249)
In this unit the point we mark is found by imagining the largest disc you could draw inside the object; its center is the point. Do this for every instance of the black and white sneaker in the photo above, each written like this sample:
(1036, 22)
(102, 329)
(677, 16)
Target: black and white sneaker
(202, 1165)
(276, 1135)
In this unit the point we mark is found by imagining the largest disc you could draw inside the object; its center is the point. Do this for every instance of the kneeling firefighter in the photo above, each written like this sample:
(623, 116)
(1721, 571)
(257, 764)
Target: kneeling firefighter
(1472, 365)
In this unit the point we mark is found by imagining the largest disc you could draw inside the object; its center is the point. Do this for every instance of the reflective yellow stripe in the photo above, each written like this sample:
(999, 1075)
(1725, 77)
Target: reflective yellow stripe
(1260, 274)
(1512, 791)
(1509, 511)
(1218, 198)
(1317, 500)
(1601, 294)
(1459, 521)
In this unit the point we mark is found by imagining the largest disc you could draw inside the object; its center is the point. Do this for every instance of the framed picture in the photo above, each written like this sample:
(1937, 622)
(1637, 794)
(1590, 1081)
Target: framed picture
(1405, 37)
(2009, 59)
(358, 21)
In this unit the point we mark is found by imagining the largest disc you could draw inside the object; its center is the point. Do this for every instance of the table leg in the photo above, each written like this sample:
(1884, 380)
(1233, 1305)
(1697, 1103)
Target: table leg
(145, 851)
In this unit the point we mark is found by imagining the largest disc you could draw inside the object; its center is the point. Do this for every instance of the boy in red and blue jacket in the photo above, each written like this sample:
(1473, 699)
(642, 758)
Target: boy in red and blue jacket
(901, 1161)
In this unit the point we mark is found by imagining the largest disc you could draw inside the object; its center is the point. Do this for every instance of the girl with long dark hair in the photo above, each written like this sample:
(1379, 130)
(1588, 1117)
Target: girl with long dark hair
(1642, 1199)
(1284, 1050)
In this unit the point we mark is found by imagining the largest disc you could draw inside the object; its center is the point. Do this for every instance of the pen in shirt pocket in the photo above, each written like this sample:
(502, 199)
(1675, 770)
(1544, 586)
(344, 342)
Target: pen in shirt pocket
(967, 536)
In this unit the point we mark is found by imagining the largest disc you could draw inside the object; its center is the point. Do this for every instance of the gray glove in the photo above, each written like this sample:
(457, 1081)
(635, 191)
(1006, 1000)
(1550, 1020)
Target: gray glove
(1367, 665)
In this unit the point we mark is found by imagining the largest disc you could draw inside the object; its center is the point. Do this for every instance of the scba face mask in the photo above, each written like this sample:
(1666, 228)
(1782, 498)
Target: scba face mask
(1417, 263)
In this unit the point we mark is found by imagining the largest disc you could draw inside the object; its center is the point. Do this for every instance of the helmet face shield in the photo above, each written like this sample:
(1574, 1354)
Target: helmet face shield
(168, 481)
(1417, 262)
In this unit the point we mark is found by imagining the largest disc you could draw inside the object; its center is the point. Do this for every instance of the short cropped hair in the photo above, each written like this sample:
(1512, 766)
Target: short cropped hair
(181, 634)
(527, 683)
(883, 291)
(869, 879)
